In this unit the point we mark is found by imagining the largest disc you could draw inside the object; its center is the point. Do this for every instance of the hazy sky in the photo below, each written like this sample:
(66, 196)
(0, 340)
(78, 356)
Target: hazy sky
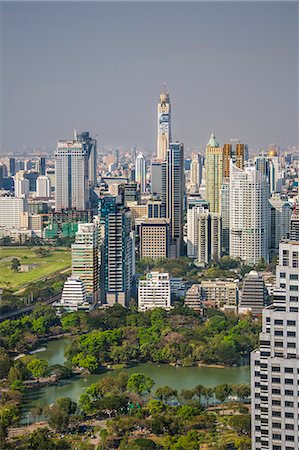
(229, 67)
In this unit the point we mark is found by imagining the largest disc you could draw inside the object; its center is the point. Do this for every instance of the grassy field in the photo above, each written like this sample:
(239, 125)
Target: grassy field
(59, 259)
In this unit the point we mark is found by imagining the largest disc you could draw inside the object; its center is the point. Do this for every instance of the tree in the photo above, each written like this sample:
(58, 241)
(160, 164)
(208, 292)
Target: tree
(5, 363)
(88, 362)
(15, 265)
(140, 383)
(41, 439)
(37, 367)
(165, 393)
(42, 252)
(207, 393)
(141, 444)
(241, 423)
(241, 390)
(155, 407)
(186, 394)
(222, 391)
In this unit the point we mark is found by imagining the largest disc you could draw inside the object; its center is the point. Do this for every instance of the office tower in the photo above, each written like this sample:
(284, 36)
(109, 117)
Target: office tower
(91, 148)
(42, 165)
(214, 173)
(196, 171)
(12, 167)
(209, 237)
(275, 364)
(193, 215)
(249, 214)
(154, 292)
(43, 187)
(254, 294)
(154, 209)
(74, 297)
(173, 185)
(224, 211)
(134, 154)
(116, 157)
(156, 177)
(71, 170)
(193, 298)
(10, 211)
(130, 193)
(294, 224)
(280, 216)
(21, 185)
(118, 251)
(2, 173)
(154, 238)
(227, 154)
(164, 125)
(85, 259)
(140, 172)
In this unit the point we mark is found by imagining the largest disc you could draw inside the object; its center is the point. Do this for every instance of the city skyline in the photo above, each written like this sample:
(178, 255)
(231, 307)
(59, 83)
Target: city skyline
(240, 82)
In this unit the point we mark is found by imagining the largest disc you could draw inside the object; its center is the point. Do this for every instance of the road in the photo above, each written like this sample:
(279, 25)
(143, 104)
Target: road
(28, 309)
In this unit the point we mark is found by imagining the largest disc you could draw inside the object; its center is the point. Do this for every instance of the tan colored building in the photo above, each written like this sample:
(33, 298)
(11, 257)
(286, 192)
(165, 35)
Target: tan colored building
(214, 173)
(154, 238)
(222, 293)
(193, 298)
(137, 211)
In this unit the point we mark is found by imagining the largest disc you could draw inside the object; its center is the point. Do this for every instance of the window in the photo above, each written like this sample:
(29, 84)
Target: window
(289, 381)
(276, 414)
(290, 438)
(289, 404)
(291, 333)
(276, 380)
(291, 345)
(275, 369)
(293, 287)
(293, 298)
(278, 322)
(268, 320)
(291, 323)
(276, 425)
(293, 276)
(282, 274)
(288, 392)
(293, 309)
(289, 415)
(289, 426)
(278, 333)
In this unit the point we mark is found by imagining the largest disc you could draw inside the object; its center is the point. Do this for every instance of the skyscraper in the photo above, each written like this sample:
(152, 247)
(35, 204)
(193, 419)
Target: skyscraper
(193, 215)
(85, 259)
(173, 185)
(249, 214)
(214, 173)
(21, 184)
(275, 364)
(196, 171)
(91, 148)
(164, 125)
(224, 211)
(236, 151)
(118, 248)
(12, 167)
(140, 172)
(156, 177)
(209, 237)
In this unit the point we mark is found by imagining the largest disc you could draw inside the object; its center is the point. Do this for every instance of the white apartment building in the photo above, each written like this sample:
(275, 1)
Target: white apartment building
(275, 364)
(140, 172)
(21, 185)
(43, 187)
(249, 214)
(10, 211)
(154, 291)
(193, 215)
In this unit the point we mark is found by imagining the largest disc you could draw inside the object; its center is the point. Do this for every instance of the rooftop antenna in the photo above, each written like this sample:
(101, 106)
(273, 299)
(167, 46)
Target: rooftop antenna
(75, 134)
(164, 87)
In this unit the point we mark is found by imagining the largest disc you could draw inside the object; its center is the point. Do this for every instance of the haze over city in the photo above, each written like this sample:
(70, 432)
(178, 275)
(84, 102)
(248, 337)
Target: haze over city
(231, 68)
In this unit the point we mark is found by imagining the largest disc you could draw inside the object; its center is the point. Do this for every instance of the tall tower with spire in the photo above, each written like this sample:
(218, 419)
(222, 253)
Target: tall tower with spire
(214, 173)
(164, 124)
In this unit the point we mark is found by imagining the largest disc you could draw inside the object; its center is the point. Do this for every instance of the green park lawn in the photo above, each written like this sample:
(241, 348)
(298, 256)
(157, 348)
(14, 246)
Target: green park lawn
(58, 260)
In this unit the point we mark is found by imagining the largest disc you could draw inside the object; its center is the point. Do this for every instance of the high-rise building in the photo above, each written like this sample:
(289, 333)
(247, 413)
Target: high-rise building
(40, 165)
(11, 209)
(254, 294)
(249, 214)
(173, 185)
(91, 147)
(164, 125)
(156, 177)
(71, 170)
(118, 249)
(11, 167)
(224, 211)
(275, 364)
(196, 171)
(280, 215)
(154, 238)
(209, 237)
(154, 209)
(236, 151)
(140, 172)
(21, 184)
(154, 292)
(294, 224)
(43, 187)
(193, 215)
(130, 192)
(85, 259)
(214, 173)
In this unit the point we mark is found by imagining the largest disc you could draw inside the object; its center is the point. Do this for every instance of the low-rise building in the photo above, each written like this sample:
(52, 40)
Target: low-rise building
(219, 293)
(154, 292)
(193, 298)
(154, 238)
(74, 296)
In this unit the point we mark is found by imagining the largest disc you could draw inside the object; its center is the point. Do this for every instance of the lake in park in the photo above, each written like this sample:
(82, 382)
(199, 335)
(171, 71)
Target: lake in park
(162, 374)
